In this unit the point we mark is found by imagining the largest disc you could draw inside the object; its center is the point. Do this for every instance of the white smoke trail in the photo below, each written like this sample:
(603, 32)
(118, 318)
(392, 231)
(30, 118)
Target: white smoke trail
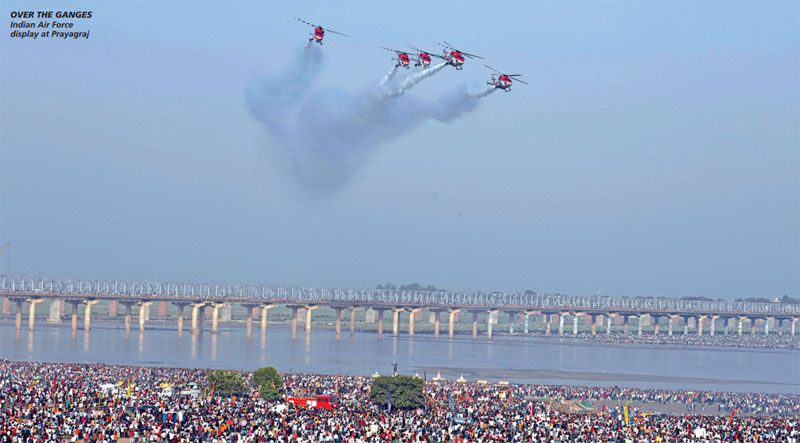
(483, 93)
(388, 76)
(328, 136)
(272, 100)
(413, 79)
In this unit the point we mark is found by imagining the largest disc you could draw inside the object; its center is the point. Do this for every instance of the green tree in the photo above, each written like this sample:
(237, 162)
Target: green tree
(406, 391)
(226, 383)
(269, 382)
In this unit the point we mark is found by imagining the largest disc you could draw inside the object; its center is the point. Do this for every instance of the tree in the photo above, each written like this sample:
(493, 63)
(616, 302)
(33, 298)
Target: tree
(406, 391)
(226, 383)
(269, 381)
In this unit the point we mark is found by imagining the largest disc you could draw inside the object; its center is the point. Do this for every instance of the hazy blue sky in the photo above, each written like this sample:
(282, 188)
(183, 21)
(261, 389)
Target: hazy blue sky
(654, 152)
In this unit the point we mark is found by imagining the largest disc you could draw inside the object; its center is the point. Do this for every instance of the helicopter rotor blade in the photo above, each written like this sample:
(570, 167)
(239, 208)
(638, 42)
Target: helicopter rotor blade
(495, 70)
(303, 21)
(471, 55)
(521, 81)
(392, 50)
(335, 32)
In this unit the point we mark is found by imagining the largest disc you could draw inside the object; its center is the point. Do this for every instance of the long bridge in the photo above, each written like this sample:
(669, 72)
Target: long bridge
(258, 299)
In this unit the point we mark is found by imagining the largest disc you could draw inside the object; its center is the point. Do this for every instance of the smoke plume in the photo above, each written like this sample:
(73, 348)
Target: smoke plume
(330, 134)
(388, 76)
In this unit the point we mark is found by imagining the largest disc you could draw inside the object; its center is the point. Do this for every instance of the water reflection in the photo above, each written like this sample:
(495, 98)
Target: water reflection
(732, 369)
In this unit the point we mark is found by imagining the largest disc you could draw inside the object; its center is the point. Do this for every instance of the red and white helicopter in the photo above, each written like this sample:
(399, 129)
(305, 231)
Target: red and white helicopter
(503, 81)
(319, 32)
(423, 58)
(455, 57)
(402, 57)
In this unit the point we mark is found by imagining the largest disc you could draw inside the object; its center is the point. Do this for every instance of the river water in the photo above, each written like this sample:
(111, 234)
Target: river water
(516, 359)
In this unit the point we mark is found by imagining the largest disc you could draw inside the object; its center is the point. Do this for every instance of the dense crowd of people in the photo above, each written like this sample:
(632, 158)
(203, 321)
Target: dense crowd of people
(774, 341)
(761, 341)
(43, 402)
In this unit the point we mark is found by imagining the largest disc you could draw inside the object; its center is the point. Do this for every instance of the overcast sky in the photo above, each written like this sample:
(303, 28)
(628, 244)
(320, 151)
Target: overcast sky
(653, 153)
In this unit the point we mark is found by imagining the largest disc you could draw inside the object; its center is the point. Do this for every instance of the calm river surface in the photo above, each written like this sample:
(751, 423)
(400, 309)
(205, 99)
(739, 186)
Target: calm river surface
(517, 359)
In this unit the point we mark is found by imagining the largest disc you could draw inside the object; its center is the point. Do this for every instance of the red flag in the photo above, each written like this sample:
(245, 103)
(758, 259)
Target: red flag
(730, 420)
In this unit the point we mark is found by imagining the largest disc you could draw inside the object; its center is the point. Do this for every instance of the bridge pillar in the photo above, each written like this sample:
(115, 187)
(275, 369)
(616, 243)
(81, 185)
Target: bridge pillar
(591, 319)
(655, 319)
(18, 317)
(181, 306)
(670, 318)
(264, 309)
(74, 304)
(396, 321)
(727, 320)
(492, 313)
(353, 320)
(451, 319)
(625, 320)
(379, 313)
(32, 312)
(525, 325)
(474, 324)
(713, 324)
(215, 317)
(548, 320)
(686, 325)
(294, 321)
(608, 324)
(766, 325)
(87, 317)
(162, 309)
(412, 312)
(741, 321)
(436, 315)
(489, 323)
(249, 321)
(112, 308)
(561, 323)
(54, 316)
(144, 309)
(198, 316)
(700, 321)
(309, 308)
(128, 308)
(511, 319)
(339, 311)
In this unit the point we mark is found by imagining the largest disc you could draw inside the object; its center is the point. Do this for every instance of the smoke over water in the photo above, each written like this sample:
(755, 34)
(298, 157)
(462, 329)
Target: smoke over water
(330, 134)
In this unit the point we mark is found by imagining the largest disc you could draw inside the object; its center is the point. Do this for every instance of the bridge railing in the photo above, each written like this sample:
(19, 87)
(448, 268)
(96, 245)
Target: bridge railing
(495, 300)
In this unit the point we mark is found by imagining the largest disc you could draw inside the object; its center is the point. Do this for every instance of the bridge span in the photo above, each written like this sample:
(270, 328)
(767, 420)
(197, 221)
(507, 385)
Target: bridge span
(258, 299)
